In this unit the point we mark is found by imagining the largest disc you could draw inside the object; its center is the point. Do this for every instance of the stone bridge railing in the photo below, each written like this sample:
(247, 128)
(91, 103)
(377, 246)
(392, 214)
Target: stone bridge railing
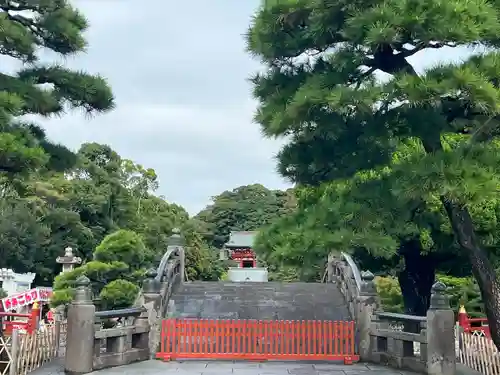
(135, 332)
(422, 344)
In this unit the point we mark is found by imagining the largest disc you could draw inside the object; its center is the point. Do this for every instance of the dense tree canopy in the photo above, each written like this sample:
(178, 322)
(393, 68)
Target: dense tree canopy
(36, 213)
(102, 194)
(93, 200)
(401, 171)
(115, 273)
(249, 207)
(37, 88)
(393, 151)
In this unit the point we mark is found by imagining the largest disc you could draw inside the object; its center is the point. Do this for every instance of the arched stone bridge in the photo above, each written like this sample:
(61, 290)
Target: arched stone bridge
(259, 328)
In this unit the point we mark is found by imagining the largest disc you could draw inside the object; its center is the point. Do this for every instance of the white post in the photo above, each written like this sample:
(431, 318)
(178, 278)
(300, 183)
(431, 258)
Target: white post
(14, 351)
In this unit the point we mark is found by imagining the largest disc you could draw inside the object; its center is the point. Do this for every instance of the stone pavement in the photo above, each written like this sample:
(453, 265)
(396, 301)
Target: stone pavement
(241, 368)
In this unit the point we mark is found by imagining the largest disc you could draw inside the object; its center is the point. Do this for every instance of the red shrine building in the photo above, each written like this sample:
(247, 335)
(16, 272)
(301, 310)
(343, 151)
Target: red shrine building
(239, 248)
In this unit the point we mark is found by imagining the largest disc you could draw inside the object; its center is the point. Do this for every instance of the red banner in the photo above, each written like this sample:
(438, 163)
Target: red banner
(26, 298)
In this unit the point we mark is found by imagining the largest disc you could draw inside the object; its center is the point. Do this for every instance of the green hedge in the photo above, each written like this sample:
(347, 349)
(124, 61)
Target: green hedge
(460, 290)
(115, 274)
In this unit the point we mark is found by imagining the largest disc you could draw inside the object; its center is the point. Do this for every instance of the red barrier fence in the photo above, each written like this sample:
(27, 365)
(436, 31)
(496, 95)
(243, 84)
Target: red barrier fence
(258, 340)
(12, 320)
(474, 326)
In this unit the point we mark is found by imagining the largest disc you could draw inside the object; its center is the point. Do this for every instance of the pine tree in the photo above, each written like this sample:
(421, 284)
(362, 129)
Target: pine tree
(322, 89)
(28, 27)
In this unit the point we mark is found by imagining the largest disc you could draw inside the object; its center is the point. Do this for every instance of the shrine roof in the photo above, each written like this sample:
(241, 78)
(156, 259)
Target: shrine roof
(241, 239)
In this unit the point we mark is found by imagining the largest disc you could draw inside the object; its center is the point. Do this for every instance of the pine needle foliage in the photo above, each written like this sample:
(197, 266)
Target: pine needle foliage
(397, 151)
(27, 30)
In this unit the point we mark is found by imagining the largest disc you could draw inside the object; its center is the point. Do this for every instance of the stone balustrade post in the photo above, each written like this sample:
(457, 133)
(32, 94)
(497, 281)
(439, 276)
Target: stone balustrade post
(144, 341)
(177, 241)
(330, 273)
(441, 359)
(367, 303)
(151, 289)
(81, 331)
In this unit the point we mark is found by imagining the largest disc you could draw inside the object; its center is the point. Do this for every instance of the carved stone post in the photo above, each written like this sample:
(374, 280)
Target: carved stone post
(441, 358)
(177, 241)
(152, 302)
(367, 304)
(330, 273)
(151, 287)
(80, 334)
(144, 339)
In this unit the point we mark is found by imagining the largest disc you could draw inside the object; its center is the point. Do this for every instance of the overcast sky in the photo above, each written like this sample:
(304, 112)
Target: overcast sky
(184, 107)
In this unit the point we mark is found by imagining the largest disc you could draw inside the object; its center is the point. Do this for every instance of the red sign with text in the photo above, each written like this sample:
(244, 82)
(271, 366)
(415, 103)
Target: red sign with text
(26, 298)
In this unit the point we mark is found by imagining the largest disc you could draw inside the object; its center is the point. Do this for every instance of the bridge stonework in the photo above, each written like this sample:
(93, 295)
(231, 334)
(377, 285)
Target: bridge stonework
(90, 346)
(422, 344)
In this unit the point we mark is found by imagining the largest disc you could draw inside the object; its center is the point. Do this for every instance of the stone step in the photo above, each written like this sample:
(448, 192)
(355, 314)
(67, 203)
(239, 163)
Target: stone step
(263, 301)
(260, 301)
(257, 295)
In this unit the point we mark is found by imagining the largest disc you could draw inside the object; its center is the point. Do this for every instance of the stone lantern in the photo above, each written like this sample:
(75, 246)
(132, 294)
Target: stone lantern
(69, 260)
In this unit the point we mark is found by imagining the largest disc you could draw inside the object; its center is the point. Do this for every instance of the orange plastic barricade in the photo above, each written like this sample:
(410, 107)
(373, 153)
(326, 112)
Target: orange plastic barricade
(258, 340)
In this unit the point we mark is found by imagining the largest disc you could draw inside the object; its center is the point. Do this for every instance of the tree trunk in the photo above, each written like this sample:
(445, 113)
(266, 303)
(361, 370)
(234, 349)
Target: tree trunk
(459, 216)
(417, 278)
(482, 269)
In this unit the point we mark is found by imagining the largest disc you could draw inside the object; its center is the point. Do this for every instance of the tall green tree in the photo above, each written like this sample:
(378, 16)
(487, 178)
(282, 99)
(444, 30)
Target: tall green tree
(321, 90)
(110, 192)
(28, 158)
(102, 194)
(50, 197)
(27, 28)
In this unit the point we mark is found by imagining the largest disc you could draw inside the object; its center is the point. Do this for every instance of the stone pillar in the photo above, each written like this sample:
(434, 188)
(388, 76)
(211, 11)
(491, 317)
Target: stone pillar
(81, 331)
(177, 241)
(367, 304)
(144, 339)
(151, 286)
(151, 289)
(441, 359)
(330, 269)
